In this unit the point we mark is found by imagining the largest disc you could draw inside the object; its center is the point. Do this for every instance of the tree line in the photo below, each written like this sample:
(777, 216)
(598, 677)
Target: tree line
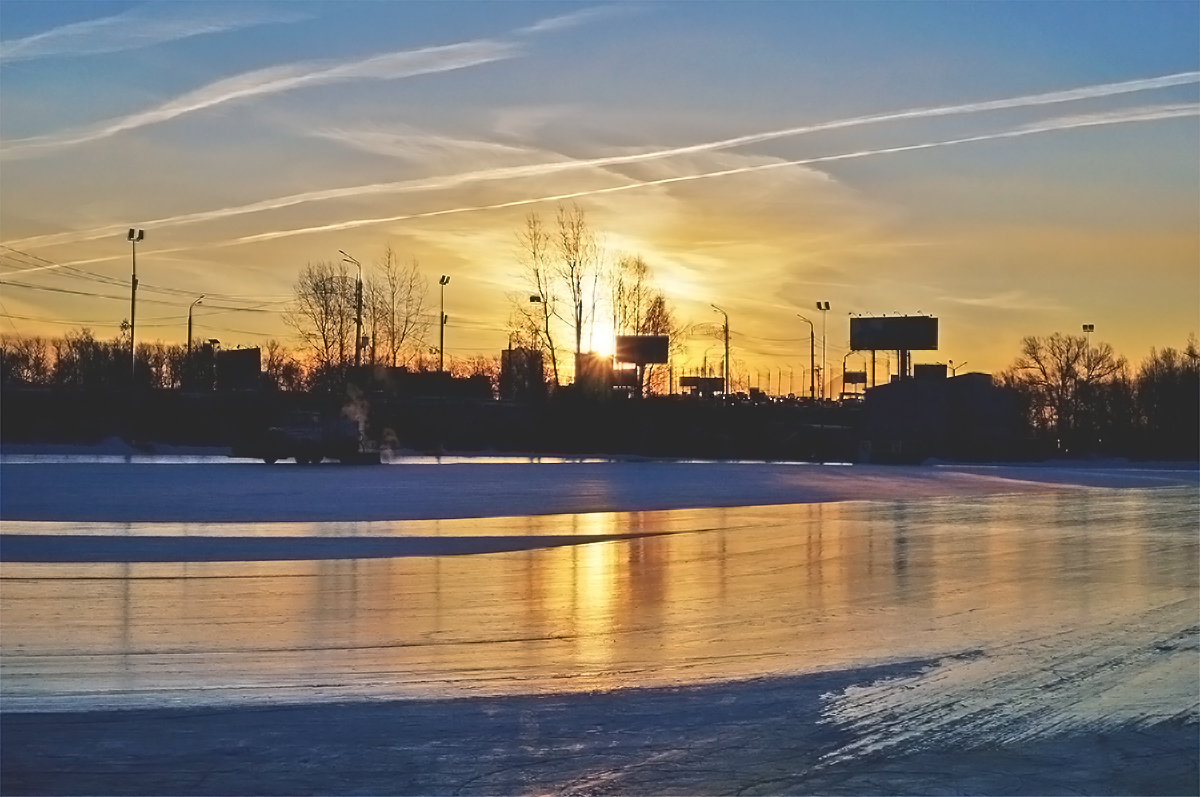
(1082, 399)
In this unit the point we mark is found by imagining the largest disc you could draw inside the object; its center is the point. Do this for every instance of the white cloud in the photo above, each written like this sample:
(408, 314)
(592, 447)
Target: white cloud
(1015, 300)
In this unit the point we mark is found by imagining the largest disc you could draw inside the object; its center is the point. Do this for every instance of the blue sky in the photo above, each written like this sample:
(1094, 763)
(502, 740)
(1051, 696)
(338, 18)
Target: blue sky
(1059, 183)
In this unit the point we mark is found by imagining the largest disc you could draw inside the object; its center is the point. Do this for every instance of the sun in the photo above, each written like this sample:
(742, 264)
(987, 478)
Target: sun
(602, 339)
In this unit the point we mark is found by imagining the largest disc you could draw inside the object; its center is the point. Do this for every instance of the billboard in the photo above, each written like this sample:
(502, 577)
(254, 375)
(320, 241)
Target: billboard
(239, 369)
(642, 349)
(894, 333)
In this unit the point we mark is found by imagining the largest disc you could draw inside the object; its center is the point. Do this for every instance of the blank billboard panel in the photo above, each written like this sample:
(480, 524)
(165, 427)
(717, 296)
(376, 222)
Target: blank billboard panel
(642, 349)
(894, 333)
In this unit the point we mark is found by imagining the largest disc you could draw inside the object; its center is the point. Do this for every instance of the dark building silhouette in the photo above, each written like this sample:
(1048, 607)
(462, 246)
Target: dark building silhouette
(964, 417)
(522, 375)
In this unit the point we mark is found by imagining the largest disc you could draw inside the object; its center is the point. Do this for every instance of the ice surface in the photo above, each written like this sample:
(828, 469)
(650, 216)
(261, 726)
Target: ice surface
(1015, 629)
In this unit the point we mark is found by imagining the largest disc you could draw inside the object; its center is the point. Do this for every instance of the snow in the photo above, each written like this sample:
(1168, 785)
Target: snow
(180, 623)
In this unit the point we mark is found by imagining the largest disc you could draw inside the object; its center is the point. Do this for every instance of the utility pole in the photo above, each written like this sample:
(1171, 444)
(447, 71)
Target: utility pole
(444, 281)
(726, 315)
(358, 286)
(134, 237)
(812, 357)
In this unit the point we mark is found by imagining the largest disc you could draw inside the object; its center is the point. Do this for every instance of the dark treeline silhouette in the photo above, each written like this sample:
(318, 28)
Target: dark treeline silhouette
(79, 360)
(1082, 400)
(1070, 398)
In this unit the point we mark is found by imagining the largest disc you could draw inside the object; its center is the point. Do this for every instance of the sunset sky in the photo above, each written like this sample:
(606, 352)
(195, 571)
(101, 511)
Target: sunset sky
(1012, 168)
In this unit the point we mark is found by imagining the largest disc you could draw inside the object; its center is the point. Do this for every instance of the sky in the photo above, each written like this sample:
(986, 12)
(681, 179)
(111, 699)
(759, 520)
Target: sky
(1013, 168)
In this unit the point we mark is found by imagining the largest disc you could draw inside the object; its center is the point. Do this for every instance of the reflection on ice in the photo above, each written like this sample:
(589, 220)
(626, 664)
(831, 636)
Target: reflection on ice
(1029, 581)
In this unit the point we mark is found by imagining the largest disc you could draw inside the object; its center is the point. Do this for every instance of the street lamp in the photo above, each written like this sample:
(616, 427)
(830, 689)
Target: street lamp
(1088, 329)
(358, 286)
(812, 357)
(954, 368)
(726, 315)
(444, 281)
(134, 237)
(823, 307)
(189, 342)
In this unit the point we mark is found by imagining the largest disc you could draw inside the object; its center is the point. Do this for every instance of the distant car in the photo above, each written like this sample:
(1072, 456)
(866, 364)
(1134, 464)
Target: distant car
(309, 437)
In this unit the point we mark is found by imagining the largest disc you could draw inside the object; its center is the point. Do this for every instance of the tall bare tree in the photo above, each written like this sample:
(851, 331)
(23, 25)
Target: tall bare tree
(577, 260)
(323, 313)
(534, 314)
(396, 309)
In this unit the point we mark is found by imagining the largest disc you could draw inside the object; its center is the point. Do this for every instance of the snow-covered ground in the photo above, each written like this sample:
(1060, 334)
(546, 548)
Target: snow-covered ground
(180, 623)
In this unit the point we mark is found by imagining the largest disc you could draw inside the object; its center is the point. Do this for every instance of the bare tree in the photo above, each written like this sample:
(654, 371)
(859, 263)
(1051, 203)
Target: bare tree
(576, 266)
(281, 367)
(629, 286)
(534, 314)
(1063, 379)
(323, 313)
(25, 361)
(396, 307)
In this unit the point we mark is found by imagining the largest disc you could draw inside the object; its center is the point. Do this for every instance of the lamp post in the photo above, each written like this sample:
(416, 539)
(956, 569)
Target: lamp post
(726, 316)
(134, 237)
(358, 286)
(189, 341)
(444, 281)
(823, 307)
(954, 368)
(1088, 329)
(812, 357)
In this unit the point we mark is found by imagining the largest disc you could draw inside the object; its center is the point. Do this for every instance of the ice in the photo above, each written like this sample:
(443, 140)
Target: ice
(615, 627)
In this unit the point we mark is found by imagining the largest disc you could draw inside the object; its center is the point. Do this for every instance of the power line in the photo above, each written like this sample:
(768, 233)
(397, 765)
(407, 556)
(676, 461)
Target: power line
(44, 264)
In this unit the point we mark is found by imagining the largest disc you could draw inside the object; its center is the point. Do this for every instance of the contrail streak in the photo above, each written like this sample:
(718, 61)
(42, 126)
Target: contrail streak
(1143, 115)
(546, 169)
(276, 79)
(144, 26)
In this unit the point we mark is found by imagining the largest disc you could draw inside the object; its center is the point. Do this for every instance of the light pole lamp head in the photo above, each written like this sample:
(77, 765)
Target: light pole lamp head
(136, 235)
(1089, 327)
(535, 299)
(445, 280)
(822, 305)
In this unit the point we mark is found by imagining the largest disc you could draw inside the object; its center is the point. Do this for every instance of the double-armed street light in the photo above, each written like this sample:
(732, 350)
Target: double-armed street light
(725, 389)
(189, 337)
(444, 281)
(823, 307)
(134, 236)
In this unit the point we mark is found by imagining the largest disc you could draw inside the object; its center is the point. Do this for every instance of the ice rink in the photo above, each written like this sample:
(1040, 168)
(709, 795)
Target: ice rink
(192, 625)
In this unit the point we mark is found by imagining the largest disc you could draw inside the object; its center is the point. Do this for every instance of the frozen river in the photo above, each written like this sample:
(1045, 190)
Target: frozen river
(958, 614)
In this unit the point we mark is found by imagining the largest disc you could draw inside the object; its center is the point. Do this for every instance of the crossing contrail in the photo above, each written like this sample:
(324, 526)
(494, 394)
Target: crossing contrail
(1156, 113)
(555, 167)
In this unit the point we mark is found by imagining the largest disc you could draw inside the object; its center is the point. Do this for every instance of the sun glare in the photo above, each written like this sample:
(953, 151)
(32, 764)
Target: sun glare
(603, 339)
